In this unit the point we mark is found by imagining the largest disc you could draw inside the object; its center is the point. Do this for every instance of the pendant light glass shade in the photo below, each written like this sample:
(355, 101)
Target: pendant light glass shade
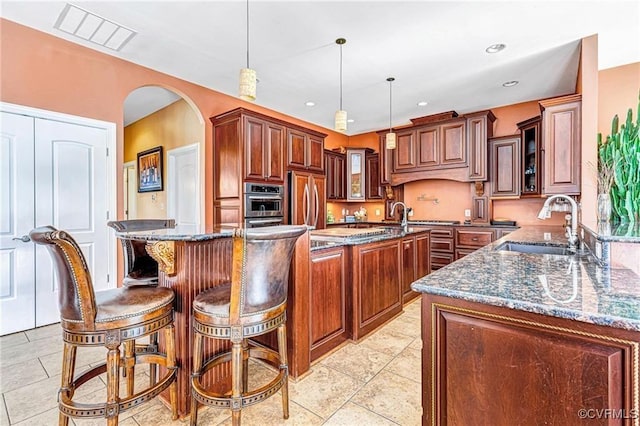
(248, 77)
(248, 81)
(390, 138)
(340, 121)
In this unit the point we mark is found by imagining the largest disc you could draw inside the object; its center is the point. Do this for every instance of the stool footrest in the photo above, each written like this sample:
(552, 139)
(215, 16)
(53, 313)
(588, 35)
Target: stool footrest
(247, 398)
(75, 409)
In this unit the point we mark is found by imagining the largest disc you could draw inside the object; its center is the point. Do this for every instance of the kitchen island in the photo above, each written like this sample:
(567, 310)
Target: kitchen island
(327, 302)
(529, 338)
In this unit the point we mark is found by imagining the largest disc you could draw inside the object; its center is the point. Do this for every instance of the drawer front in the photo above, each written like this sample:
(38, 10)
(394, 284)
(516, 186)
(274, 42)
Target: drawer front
(442, 233)
(460, 253)
(438, 260)
(473, 238)
(442, 244)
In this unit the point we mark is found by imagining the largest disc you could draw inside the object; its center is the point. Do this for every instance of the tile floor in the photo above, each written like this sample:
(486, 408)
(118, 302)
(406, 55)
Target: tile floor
(374, 382)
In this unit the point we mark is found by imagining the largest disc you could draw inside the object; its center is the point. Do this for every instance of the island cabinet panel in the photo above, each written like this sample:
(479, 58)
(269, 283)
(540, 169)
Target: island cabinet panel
(408, 267)
(376, 280)
(415, 263)
(492, 365)
(328, 316)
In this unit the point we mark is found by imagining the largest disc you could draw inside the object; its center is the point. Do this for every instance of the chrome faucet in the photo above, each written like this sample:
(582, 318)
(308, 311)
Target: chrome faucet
(403, 223)
(571, 231)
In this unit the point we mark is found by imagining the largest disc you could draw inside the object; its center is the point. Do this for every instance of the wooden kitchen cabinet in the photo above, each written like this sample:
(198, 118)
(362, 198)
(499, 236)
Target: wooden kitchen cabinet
(531, 165)
(443, 146)
(533, 368)
(250, 147)
(442, 247)
(335, 172)
(415, 263)
(468, 240)
(305, 151)
(373, 188)
(264, 144)
(329, 317)
(479, 131)
(561, 141)
(376, 283)
(505, 166)
(404, 156)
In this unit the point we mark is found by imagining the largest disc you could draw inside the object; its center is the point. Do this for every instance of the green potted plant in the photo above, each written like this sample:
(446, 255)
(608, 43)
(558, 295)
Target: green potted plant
(621, 153)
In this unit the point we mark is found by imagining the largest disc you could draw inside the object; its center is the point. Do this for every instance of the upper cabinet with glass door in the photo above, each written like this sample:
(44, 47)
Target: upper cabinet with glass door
(356, 174)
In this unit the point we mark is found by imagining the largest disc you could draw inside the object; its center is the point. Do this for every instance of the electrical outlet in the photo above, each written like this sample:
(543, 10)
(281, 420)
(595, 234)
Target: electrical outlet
(377, 212)
(411, 212)
(467, 212)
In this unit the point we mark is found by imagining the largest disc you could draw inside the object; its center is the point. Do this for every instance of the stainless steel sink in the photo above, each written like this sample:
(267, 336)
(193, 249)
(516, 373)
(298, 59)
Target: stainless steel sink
(533, 248)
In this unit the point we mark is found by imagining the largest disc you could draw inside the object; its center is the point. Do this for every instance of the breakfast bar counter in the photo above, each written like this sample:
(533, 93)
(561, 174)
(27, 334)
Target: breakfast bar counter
(541, 335)
(191, 261)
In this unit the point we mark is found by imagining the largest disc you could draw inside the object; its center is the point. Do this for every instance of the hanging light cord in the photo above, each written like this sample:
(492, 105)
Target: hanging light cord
(390, 102)
(247, 33)
(341, 77)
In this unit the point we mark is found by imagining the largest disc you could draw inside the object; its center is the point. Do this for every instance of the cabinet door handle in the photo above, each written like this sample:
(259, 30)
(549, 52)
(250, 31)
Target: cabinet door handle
(305, 204)
(315, 191)
(474, 239)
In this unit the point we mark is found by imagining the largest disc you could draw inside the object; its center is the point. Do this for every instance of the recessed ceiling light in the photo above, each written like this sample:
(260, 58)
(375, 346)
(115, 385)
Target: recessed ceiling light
(310, 103)
(495, 48)
(510, 83)
(422, 103)
(350, 120)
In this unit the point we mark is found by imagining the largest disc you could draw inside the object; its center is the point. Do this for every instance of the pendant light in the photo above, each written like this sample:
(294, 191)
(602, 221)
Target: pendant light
(248, 77)
(390, 138)
(340, 123)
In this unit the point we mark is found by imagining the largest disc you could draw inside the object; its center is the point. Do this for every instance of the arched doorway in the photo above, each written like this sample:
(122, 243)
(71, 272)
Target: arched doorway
(163, 127)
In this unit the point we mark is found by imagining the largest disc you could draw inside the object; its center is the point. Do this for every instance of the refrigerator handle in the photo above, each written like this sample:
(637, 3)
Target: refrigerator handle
(315, 191)
(305, 204)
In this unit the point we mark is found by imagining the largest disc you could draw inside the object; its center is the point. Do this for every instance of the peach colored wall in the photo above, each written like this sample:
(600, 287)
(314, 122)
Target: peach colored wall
(524, 211)
(618, 91)
(371, 207)
(508, 117)
(43, 71)
(589, 90)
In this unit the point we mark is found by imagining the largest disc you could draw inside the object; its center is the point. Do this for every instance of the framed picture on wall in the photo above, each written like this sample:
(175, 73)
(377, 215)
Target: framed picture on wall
(150, 170)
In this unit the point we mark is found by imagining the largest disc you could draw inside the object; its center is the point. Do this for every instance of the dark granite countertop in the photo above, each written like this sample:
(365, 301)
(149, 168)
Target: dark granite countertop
(620, 232)
(395, 232)
(574, 287)
(179, 233)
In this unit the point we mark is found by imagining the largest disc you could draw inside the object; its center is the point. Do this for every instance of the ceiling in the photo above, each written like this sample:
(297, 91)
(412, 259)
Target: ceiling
(435, 50)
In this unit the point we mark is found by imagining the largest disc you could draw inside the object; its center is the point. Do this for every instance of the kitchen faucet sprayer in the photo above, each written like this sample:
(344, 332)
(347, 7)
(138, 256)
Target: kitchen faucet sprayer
(403, 223)
(572, 230)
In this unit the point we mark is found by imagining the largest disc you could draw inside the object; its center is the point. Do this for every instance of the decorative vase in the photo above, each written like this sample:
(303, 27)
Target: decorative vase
(604, 207)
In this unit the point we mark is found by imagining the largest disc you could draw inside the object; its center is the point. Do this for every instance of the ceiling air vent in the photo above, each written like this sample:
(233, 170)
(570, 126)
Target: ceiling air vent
(91, 27)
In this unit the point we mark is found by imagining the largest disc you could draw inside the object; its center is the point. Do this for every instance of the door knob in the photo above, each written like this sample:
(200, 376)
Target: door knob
(24, 239)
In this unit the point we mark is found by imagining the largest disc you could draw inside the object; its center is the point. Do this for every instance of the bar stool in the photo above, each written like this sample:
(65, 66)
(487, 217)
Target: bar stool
(106, 318)
(140, 269)
(252, 304)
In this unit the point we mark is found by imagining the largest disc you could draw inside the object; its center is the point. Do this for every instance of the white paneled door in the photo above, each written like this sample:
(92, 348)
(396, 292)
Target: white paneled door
(53, 173)
(183, 188)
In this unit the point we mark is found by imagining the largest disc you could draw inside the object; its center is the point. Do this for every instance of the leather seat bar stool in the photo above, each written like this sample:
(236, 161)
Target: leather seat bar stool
(106, 318)
(140, 269)
(252, 304)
